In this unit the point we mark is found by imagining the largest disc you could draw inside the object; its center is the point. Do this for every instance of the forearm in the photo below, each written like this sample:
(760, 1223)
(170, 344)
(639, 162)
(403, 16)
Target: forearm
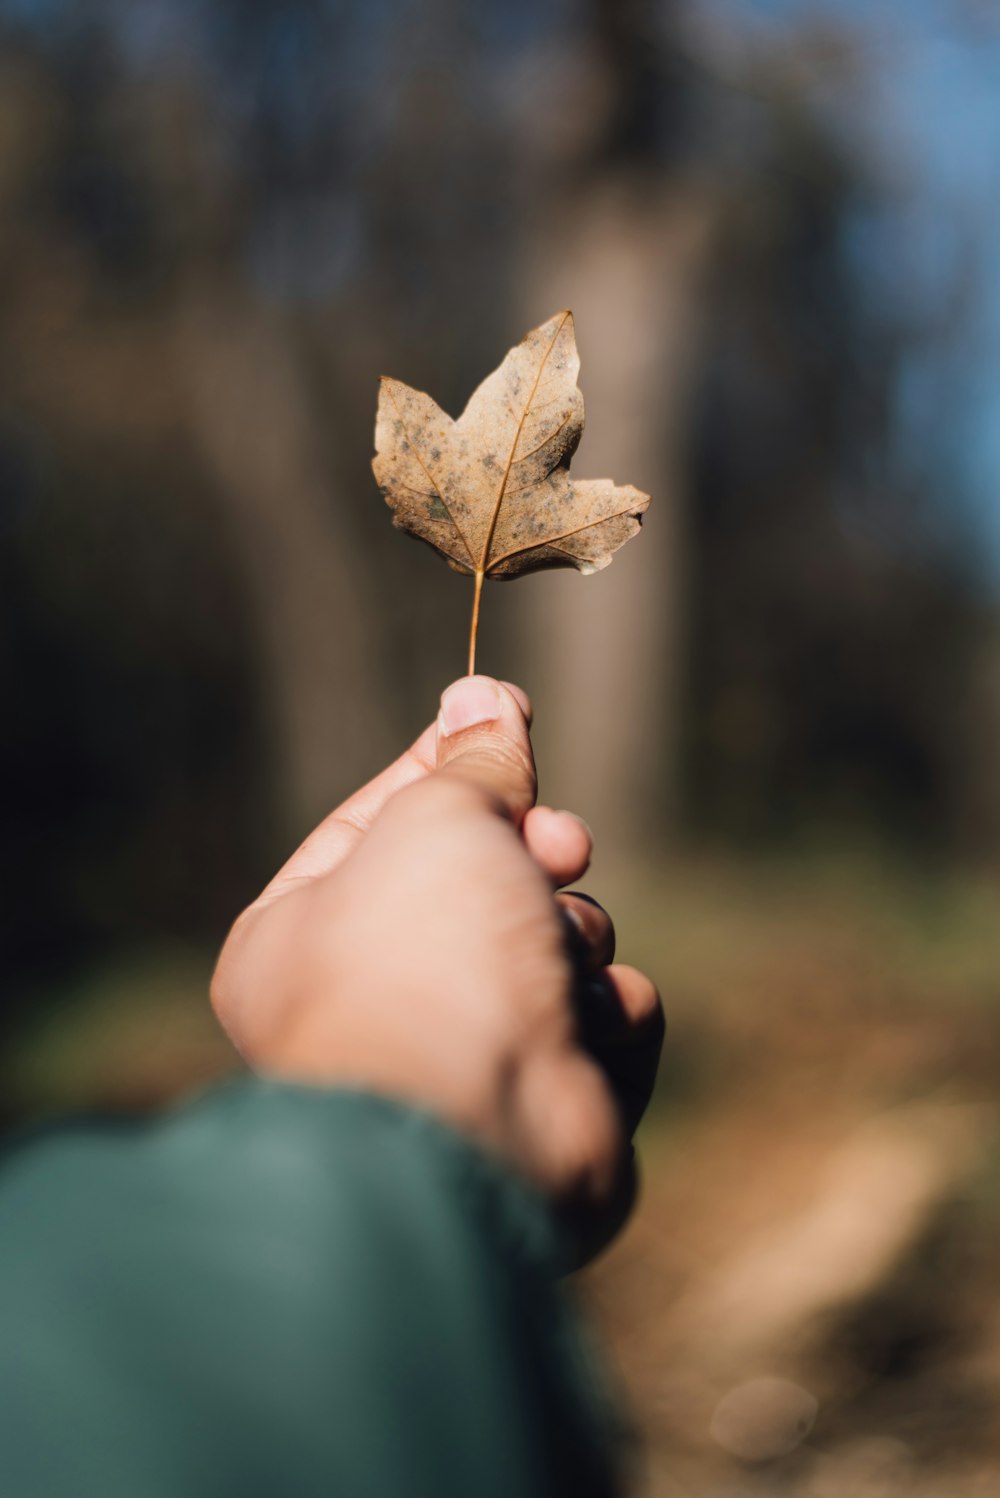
(289, 1290)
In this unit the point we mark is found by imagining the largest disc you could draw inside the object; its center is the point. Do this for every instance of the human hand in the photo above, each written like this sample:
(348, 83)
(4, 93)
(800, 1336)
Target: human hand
(415, 946)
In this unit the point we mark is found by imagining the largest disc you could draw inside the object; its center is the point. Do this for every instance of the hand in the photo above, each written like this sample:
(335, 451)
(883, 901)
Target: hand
(414, 946)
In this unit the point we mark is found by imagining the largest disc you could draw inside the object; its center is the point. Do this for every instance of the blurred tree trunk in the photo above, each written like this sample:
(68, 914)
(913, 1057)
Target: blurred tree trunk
(606, 652)
(249, 409)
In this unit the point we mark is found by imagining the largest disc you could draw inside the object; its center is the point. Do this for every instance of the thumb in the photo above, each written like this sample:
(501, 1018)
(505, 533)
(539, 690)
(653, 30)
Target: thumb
(482, 737)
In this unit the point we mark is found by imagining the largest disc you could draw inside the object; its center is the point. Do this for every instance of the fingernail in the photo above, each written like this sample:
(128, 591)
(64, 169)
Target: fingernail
(472, 700)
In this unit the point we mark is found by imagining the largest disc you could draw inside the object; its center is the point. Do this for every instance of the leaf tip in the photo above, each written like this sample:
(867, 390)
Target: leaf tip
(561, 317)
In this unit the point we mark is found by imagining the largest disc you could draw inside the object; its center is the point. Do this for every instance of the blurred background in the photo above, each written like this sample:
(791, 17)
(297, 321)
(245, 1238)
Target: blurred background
(778, 224)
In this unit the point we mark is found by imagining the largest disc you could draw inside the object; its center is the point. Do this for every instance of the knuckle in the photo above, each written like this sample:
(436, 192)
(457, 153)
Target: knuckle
(591, 926)
(495, 756)
(440, 795)
(591, 1136)
(588, 904)
(642, 999)
(591, 912)
(649, 1006)
(656, 1021)
(220, 989)
(604, 934)
(651, 1019)
(477, 787)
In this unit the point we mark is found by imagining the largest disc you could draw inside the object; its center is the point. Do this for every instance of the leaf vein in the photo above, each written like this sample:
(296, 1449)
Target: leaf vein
(517, 437)
(550, 438)
(577, 530)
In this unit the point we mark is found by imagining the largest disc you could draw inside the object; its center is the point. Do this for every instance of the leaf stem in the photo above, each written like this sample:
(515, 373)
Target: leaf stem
(474, 629)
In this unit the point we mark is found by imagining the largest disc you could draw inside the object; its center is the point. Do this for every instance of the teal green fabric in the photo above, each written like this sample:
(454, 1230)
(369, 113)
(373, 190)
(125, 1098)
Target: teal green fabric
(284, 1292)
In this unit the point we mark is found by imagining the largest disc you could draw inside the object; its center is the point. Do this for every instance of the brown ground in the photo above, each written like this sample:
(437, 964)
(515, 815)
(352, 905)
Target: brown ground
(808, 1301)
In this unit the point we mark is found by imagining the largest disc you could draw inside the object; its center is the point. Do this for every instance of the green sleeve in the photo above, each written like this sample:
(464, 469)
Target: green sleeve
(283, 1292)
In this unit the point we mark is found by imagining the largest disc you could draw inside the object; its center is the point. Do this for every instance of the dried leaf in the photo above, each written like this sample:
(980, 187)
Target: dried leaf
(491, 491)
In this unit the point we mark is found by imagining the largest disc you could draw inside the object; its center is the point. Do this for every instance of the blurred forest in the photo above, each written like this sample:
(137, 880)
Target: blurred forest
(779, 709)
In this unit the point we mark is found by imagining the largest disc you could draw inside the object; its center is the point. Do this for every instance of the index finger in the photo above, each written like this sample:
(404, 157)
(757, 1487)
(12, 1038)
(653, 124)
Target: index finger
(339, 833)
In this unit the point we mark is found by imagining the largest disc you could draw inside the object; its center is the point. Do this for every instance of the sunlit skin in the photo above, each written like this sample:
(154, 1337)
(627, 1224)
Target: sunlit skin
(419, 944)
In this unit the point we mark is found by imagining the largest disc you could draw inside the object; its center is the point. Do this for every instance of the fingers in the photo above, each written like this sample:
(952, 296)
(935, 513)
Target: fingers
(574, 1125)
(581, 1157)
(561, 842)
(588, 1231)
(621, 1025)
(482, 739)
(522, 699)
(339, 833)
(590, 932)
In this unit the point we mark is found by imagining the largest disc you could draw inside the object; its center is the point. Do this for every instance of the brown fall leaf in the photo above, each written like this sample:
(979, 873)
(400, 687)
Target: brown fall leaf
(491, 490)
